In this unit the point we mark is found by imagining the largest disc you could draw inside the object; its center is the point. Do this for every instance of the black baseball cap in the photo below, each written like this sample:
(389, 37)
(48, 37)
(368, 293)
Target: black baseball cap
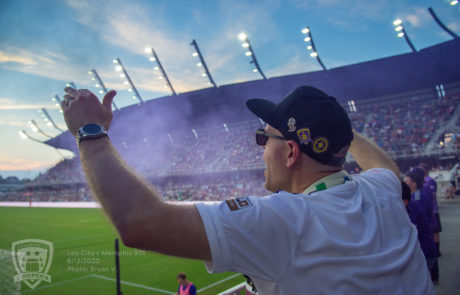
(315, 120)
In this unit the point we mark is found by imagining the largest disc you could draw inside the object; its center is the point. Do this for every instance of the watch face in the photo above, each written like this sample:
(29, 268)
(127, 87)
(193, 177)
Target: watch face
(92, 128)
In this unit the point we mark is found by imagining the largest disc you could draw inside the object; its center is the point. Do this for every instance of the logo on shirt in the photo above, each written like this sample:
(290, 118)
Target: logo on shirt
(238, 203)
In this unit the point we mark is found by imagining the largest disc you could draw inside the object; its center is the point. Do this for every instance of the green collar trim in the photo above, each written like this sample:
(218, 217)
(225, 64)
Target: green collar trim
(329, 181)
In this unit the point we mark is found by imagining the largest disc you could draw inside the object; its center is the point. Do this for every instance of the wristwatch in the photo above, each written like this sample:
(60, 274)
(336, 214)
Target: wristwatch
(90, 131)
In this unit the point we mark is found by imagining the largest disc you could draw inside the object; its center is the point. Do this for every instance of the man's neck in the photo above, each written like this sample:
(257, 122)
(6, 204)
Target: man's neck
(303, 184)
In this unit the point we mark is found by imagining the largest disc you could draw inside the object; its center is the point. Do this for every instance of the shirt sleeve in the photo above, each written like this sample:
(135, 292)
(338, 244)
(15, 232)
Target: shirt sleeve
(254, 236)
(386, 178)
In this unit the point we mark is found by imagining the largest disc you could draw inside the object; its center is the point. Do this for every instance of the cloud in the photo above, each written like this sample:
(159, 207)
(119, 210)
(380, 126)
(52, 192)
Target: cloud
(11, 57)
(18, 104)
(8, 163)
(352, 15)
(418, 17)
(298, 63)
(47, 64)
(134, 28)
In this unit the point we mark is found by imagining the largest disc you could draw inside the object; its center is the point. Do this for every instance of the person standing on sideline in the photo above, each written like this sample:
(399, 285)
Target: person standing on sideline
(185, 287)
(417, 209)
(430, 186)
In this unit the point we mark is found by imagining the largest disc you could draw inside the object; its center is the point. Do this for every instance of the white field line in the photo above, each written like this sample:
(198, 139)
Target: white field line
(135, 285)
(218, 282)
(57, 284)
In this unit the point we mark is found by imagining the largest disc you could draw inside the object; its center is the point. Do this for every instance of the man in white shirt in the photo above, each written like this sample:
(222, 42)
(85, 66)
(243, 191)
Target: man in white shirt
(321, 232)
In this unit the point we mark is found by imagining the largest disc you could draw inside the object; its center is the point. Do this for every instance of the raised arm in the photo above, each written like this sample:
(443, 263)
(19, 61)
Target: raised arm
(369, 155)
(142, 219)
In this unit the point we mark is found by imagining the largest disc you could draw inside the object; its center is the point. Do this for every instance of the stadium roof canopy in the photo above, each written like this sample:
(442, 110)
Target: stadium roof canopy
(439, 64)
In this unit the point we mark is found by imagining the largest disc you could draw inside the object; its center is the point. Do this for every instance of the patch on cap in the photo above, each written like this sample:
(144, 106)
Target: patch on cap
(320, 145)
(291, 125)
(304, 135)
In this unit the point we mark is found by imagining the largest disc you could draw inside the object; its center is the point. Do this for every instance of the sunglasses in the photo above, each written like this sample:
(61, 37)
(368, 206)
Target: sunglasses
(262, 137)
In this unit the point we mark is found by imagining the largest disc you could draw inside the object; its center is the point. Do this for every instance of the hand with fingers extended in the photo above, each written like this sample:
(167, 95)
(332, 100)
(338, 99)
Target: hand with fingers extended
(81, 107)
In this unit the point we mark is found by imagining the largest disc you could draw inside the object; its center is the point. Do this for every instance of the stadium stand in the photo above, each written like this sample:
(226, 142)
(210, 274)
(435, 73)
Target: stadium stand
(200, 145)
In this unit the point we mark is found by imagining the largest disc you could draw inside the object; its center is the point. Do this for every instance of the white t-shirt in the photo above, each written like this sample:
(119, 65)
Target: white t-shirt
(354, 238)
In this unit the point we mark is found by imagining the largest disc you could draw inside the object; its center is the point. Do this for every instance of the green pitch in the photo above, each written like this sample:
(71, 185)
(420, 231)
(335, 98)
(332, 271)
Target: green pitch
(83, 261)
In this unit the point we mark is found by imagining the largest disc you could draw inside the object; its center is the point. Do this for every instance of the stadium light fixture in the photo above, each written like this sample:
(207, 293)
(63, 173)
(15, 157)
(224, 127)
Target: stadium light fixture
(246, 44)
(159, 66)
(22, 134)
(36, 129)
(198, 54)
(47, 118)
(120, 68)
(441, 24)
(57, 102)
(453, 2)
(25, 135)
(100, 84)
(401, 32)
(71, 84)
(311, 46)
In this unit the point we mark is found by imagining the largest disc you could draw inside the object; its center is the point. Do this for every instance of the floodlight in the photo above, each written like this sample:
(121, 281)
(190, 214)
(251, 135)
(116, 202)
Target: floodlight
(101, 91)
(305, 30)
(152, 59)
(130, 89)
(147, 49)
(90, 73)
(22, 134)
(453, 2)
(122, 75)
(309, 47)
(126, 82)
(246, 44)
(97, 85)
(397, 22)
(314, 54)
(115, 61)
(254, 70)
(307, 39)
(401, 34)
(199, 64)
(118, 68)
(197, 53)
(398, 28)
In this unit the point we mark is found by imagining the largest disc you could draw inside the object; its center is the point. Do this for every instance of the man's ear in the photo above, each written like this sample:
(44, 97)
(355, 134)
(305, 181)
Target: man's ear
(293, 153)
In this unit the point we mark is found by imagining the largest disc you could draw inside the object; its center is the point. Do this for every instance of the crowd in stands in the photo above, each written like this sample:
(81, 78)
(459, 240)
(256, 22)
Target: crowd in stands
(401, 127)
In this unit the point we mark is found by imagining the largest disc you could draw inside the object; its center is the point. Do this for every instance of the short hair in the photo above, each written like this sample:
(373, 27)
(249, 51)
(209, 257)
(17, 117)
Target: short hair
(406, 195)
(417, 175)
(181, 275)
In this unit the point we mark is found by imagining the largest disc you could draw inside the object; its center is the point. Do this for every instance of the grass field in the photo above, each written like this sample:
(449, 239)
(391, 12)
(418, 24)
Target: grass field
(83, 260)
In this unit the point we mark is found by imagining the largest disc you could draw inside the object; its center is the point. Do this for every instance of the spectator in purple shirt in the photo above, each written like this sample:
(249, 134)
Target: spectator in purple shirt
(418, 214)
(431, 185)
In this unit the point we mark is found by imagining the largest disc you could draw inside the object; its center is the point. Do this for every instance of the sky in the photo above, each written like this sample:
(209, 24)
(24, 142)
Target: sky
(45, 44)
